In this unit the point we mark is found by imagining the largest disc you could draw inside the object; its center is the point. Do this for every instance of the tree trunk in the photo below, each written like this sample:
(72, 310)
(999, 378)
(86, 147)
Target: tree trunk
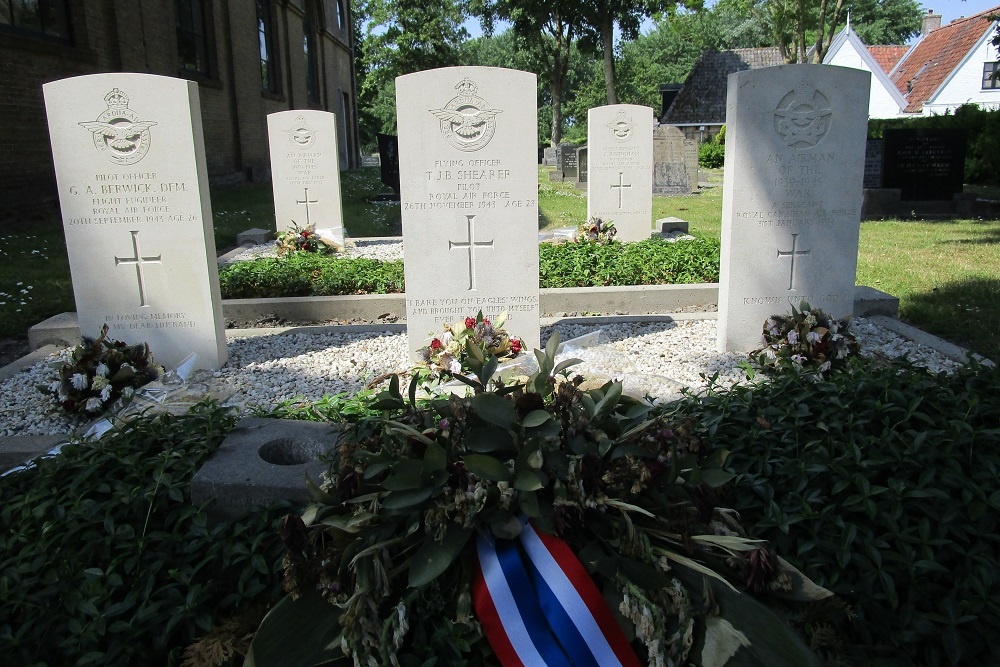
(800, 31)
(556, 92)
(608, 41)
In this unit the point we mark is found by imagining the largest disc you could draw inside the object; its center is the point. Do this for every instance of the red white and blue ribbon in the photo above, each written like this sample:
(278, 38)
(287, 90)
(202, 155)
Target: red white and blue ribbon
(539, 607)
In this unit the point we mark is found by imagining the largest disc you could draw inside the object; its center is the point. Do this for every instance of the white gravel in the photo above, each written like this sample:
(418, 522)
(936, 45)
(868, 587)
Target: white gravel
(659, 358)
(385, 251)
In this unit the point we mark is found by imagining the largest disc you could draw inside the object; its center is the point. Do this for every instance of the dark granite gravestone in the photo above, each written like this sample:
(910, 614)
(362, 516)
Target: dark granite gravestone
(388, 150)
(582, 168)
(873, 164)
(925, 164)
(569, 166)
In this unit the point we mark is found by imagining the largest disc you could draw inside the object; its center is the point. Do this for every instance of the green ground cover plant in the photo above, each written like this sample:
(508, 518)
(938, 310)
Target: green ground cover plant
(880, 484)
(105, 561)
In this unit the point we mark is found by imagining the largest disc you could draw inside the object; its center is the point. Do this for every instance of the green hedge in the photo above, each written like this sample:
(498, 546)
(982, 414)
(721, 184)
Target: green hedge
(982, 156)
(309, 274)
(652, 262)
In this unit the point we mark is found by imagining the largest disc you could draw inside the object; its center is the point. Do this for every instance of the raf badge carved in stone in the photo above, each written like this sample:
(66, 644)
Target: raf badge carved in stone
(621, 127)
(803, 116)
(467, 121)
(119, 135)
(300, 134)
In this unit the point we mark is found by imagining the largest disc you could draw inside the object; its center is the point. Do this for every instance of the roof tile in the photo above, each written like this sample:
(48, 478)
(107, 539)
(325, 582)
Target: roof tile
(703, 97)
(936, 56)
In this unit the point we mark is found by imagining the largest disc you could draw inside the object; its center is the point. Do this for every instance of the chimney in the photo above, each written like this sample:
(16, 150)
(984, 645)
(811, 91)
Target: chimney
(932, 21)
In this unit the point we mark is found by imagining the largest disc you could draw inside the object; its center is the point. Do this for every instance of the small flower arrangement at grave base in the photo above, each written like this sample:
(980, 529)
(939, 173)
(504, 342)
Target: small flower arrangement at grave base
(596, 230)
(473, 338)
(101, 371)
(303, 239)
(808, 339)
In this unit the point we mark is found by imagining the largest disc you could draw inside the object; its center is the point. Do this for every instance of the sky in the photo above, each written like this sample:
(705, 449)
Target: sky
(953, 9)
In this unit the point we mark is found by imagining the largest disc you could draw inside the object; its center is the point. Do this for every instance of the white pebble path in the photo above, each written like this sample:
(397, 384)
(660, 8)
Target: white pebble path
(658, 357)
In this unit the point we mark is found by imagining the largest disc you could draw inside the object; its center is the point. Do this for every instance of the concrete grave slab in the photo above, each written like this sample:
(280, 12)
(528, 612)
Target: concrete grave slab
(620, 168)
(260, 461)
(469, 188)
(305, 170)
(795, 151)
(670, 165)
(129, 158)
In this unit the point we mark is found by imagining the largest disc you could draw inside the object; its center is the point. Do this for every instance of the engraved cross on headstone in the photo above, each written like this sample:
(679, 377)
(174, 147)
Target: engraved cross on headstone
(138, 260)
(792, 253)
(619, 187)
(471, 244)
(307, 201)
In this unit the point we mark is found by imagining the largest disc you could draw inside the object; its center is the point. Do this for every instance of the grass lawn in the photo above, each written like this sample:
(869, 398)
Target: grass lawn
(946, 274)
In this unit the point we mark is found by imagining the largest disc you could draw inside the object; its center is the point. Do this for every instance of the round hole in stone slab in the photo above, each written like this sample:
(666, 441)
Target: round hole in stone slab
(288, 451)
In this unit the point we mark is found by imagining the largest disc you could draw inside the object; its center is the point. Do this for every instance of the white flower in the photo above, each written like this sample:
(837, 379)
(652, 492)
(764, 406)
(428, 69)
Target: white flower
(99, 382)
(770, 324)
(106, 392)
(455, 367)
(793, 337)
(835, 337)
(446, 338)
(102, 370)
(79, 381)
(54, 386)
(774, 331)
(93, 404)
(812, 338)
(824, 367)
(128, 392)
(798, 358)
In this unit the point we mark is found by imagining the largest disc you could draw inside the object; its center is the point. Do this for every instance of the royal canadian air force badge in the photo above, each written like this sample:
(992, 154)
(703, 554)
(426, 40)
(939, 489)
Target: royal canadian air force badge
(119, 135)
(467, 121)
(803, 116)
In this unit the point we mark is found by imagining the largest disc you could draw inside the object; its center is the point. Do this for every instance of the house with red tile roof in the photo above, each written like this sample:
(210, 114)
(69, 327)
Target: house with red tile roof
(847, 50)
(947, 67)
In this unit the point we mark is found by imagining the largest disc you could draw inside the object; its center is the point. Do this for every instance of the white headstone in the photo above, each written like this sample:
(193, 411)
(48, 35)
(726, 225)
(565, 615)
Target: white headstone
(469, 187)
(795, 153)
(620, 162)
(305, 171)
(129, 156)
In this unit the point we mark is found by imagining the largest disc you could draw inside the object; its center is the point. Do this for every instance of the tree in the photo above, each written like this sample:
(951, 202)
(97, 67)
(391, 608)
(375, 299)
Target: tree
(400, 37)
(550, 26)
(804, 29)
(886, 21)
(600, 18)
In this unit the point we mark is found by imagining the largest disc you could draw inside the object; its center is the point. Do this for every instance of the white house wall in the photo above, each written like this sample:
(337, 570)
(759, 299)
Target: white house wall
(966, 84)
(880, 101)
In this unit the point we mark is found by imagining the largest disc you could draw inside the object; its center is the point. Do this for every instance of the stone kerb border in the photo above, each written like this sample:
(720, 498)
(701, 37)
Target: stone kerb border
(634, 300)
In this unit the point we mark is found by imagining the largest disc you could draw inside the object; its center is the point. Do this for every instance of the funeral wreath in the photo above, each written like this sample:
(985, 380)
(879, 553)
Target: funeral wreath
(530, 523)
